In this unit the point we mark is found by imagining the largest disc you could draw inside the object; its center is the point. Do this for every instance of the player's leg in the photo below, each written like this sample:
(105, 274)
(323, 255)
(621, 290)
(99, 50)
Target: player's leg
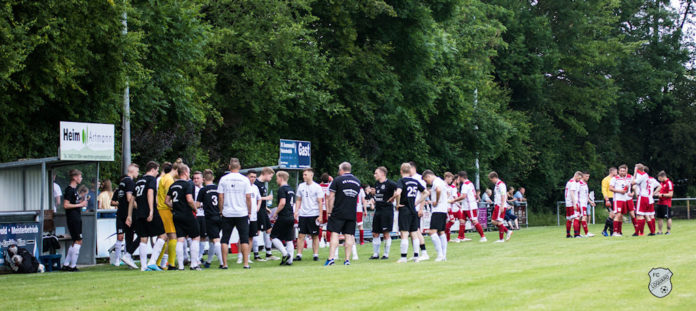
(376, 240)
(433, 237)
(461, 236)
(227, 226)
(443, 245)
(242, 225)
(333, 241)
(360, 228)
(300, 245)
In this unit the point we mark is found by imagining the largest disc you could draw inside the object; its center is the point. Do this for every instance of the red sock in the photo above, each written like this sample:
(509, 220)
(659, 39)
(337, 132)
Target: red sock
(500, 231)
(576, 226)
(616, 226)
(651, 225)
(620, 227)
(568, 224)
(479, 228)
(362, 236)
(633, 220)
(584, 226)
(462, 230)
(328, 236)
(641, 225)
(320, 230)
(447, 234)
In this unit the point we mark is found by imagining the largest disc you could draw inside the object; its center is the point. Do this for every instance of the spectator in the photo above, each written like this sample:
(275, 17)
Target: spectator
(57, 193)
(486, 198)
(105, 194)
(92, 194)
(510, 216)
(519, 195)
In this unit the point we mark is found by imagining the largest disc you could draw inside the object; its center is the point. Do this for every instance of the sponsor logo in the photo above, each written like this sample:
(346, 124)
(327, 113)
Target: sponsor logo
(660, 282)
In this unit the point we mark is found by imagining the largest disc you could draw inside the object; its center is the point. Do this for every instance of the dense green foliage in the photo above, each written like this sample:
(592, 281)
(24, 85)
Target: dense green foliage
(535, 89)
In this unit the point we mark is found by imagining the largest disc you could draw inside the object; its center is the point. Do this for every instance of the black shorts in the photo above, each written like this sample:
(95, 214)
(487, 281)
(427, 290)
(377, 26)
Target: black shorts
(74, 222)
(383, 221)
(253, 229)
(663, 211)
(147, 229)
(263, 220)
(212, 227)
(201, 226)
(121, 224)
(284, 229)
(229, 223)
(308, 225)
(408, 221)
(186, 226)
(344, 226)
(438, 221)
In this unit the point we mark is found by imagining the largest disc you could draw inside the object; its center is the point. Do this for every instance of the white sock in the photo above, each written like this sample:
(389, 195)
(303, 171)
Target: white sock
(76, 253)
(180, 254)
(436, 243)
(143, 256)
(404, 246)
(336, 253)
(267, 242)
(156, 250)
(218, 251)
(290, 247)
(279, 245)
(211, 251)
(416, 247)
(68, 257)
(118, 249)
(387, 247)
(355, 251)
(200, 251)
(195, 245)
(375, 246)
(165, 260)
(443, 244)
(187, 247)
(255, 244)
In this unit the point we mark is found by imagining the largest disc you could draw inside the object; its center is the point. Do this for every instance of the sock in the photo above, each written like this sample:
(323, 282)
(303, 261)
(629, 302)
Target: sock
(187, 246)
(404, 247)
(267, 243)
(633, 220)
(255, 245)
(576, 226)
(180, 254)
(387, 247)
(376, 241)
(568, 224)
(320, 231)
(165, 259)
(200, 251)
(68, 256)
(620, 223)
(354, 251)
(75, 255)
(501, 227)
(195, 244)
(172, 251)
(156, 251)
(161, 259)
(462, 229)
(211, 251)
(142, 250)
(479, 228)
(422, 247)
(615, 226)
(279, 245)
(328, 236)
(218, 251)
(443, 245)
(584, 226)
(607, 224)
(118, 248)
(416, 244)
(447, 229)
(362, 236)
(291, 250)
(651, 225)
(640, 226)
(436, 242)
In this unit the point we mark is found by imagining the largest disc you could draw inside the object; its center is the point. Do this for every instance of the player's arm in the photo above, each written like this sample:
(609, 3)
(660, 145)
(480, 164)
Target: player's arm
(168, 201)
(298, 205)
(621, 191)
(330, 203)
(248, 203)
(129, 218)
(424, 194)
(657, 190)
(281, 206)
(396, 197)
(438, 193)
(458, 199)
(320, 200)
(669, 194)
(151, 202)
(221, 201)
(189, 200)
(68, 205)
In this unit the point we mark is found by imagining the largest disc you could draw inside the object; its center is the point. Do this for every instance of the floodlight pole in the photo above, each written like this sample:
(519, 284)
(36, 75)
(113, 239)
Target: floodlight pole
(126, 137)
(478, 183)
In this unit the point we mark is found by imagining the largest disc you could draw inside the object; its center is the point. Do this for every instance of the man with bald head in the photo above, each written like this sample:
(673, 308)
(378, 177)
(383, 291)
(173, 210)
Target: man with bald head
(342, 201)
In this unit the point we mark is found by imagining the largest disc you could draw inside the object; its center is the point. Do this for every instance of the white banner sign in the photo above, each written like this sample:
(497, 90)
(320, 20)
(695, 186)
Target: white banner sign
(86, 141)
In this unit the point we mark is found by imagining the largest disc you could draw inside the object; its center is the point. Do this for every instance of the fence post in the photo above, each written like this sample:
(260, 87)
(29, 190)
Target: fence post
(558, 215)
(688, 210)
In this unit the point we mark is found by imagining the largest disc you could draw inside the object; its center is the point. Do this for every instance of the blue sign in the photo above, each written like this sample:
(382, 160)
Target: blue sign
(25, 235)
(295, 154)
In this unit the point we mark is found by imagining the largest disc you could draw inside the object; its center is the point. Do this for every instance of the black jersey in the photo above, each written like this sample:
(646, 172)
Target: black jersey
(384, 191)
(70, 195)
(178, 192)
(264, 192)
(126, 185)
(346, 188)
(142, 186)
(208, 196)
(409, 191)
(286, 192)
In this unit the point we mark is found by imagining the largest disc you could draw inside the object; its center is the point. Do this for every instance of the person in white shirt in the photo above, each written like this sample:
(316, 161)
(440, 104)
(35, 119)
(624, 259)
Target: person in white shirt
(200, 213)
(584, 193)
(467, 196)
(500, 200)
(438, 220)
(253, 219)
(645, 208)
(620, 185)
(234, 194)
(572, 205)
(309, 199)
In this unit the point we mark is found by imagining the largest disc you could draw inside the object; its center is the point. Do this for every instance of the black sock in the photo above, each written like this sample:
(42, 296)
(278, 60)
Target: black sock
(608, 224)
(403, 255)
(422, 247)
(415, 254)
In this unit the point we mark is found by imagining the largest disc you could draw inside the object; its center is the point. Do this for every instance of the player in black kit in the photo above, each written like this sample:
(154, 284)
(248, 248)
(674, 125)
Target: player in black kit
(180, 200)
(383, 220)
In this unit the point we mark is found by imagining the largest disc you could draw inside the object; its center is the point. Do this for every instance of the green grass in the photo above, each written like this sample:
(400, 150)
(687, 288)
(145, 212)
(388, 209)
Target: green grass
(537, 269)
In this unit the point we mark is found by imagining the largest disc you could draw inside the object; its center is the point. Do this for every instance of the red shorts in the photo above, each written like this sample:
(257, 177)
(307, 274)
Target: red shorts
(630, 206)
(571, 213)
(359, 218)
(644, 207)
(620, 207)
(473, 214)
(498, 213)
(458, 214)
(583, 211)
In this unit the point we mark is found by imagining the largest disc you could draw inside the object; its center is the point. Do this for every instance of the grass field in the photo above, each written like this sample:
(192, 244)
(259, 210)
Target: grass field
(537, 269)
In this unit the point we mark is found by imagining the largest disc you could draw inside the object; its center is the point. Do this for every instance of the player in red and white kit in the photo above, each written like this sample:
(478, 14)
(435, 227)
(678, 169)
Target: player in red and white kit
(646, 209)
(454, 209)
(620, 185)
(500, 201)
(654, 191)
(467, 194)
(630, 205)
(360, 212)
(325, 237)
(572, 205)
(584, 199)
(664, 202)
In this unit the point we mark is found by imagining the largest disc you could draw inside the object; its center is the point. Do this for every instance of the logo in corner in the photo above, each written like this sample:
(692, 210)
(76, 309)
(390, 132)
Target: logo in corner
(660, 282)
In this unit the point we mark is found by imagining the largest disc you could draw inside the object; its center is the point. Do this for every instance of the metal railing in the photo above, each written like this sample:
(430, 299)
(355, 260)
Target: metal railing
(682, 208)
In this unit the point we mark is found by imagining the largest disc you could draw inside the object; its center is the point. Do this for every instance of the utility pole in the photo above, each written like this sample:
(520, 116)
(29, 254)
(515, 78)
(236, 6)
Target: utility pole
(126, 148)
(478, 182)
